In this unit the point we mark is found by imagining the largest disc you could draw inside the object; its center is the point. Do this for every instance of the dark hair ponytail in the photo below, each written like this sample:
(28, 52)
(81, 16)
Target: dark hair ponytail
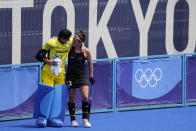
(82, 35)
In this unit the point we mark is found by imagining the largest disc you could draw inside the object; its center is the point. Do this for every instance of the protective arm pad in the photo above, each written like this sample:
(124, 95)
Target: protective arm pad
(41, 54)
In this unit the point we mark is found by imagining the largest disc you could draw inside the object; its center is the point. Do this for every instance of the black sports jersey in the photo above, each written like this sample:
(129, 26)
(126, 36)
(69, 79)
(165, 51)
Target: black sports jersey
(76, 72)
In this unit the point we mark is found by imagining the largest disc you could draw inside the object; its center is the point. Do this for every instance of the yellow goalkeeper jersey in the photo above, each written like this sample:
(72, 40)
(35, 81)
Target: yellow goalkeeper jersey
(53, 47)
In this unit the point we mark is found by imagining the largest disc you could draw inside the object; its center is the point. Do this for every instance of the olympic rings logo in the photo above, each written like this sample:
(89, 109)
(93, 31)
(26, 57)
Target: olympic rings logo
(148, 77)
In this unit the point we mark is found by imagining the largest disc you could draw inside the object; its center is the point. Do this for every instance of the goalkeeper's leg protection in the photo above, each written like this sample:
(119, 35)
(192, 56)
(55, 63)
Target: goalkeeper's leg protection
(43, 103)
(57, 111)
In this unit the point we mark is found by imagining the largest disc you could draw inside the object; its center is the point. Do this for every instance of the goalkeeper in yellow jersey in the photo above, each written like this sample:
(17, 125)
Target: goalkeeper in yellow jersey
(51, 96)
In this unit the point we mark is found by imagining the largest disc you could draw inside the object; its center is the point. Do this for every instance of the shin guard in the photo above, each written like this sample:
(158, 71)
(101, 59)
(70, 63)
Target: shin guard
(85, 113)
(71, 107)
(43, 101)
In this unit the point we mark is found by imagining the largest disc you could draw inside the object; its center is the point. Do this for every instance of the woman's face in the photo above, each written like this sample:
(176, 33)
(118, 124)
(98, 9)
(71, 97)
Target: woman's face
(77, 41)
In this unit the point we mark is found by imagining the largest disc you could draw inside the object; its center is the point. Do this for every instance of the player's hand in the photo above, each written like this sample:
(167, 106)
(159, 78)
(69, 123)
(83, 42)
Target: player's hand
(92, 80)
(51, 62)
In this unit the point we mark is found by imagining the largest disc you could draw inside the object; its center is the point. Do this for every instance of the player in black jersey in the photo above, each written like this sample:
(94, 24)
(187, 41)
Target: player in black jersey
(76, 77)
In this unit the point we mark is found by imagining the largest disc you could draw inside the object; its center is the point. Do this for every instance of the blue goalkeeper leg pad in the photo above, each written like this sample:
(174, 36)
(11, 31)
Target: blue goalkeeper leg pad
(55, 123)
(41, 121)
(59, 102)
(43, 101)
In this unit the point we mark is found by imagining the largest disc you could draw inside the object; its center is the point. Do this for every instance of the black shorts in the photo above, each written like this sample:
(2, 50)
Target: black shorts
(76, 81)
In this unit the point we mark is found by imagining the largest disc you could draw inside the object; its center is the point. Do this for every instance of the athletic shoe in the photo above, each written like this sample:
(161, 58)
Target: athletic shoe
(41, 122)
(74, 123)
(86, 123)
(55, 123)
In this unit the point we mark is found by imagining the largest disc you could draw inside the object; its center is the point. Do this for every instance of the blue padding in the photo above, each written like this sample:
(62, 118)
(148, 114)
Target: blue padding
(59, 102)
(155, 78)
(41, 122)
(55, 123)
(19, 83)
(43, 101)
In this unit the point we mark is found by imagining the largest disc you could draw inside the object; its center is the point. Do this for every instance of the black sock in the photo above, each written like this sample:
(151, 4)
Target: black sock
(71, 107)
(85, 113)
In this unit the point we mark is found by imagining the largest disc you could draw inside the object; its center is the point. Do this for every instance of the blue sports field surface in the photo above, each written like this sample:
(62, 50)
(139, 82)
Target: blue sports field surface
(167, 119)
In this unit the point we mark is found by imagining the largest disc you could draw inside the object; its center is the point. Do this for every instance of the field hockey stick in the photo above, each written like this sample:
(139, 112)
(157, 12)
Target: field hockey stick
(90, 99)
